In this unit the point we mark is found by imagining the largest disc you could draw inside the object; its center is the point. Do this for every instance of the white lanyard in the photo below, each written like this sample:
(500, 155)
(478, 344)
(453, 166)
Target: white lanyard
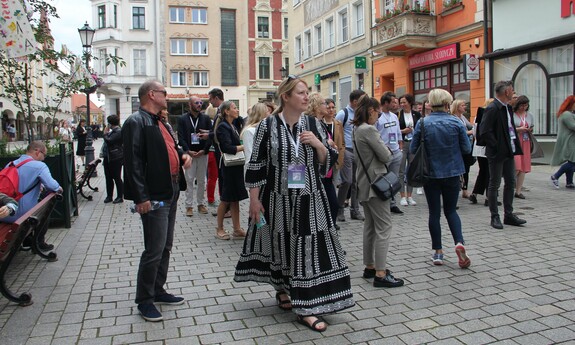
(194, 124)
(295, 143)
(524, 120)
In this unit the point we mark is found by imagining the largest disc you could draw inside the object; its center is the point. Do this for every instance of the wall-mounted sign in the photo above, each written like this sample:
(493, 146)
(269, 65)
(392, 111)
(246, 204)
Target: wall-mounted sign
(567, 8)
(471, 62)
(431, 57)
(317, 79)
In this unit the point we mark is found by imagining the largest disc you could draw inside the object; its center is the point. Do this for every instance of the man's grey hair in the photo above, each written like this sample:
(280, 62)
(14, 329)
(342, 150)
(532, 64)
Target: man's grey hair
(146, 87)
(501, 86)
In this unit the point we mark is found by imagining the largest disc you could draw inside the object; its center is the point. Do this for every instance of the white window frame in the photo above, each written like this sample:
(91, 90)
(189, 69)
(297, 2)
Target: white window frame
(387, 6)
(297, 49)
(343, 25)
(285, 28)
(102, 59)
(200, 46)
(144, 15)
(307, 45)
(269, 71)
(178, 75)
(318, 38)
(359, 19)
(333, 92)
(137, 69)
(180, 14)
(264, 34)
(329, 33)
(203, 77)
(196, 11)
(177, 46)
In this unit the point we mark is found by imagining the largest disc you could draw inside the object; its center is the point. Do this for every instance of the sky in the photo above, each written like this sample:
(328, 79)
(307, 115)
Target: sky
(73, 14)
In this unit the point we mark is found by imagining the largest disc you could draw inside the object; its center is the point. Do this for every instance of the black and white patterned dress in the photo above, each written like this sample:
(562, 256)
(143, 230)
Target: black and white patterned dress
(298, 250)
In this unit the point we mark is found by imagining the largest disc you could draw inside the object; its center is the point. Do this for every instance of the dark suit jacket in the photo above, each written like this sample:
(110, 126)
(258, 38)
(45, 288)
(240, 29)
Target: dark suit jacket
(416, 116)
(185, 130)
(495, 133)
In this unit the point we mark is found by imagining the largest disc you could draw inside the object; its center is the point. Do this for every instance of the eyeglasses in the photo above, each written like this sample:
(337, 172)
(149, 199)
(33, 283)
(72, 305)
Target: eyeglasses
(292, 76)
(199, 102)
(161, 91)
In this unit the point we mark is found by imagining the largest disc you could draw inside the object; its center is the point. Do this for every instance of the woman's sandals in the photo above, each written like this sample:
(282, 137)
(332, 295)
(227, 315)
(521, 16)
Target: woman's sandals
(314, 325)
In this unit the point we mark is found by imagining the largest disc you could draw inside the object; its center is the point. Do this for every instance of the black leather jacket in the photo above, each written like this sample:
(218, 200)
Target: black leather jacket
(146, 163)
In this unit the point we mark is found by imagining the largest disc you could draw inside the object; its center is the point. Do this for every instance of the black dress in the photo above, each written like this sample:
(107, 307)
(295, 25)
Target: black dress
(233, 188)
(298, 250)
(81, 134)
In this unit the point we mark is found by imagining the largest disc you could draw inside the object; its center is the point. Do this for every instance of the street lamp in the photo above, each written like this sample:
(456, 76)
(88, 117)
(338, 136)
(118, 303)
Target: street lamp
(284, 72)
(128, 89)
(87, 36)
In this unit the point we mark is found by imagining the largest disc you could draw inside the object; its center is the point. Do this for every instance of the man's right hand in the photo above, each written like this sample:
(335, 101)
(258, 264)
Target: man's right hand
(144, 207)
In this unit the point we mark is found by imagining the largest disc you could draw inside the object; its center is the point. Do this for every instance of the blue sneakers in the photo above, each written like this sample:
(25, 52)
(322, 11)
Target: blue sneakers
(437, 259)
(169, 299)
(149, 312)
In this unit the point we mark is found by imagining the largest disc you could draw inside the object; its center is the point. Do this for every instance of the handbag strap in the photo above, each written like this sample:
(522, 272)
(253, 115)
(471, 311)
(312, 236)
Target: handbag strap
(361, 160)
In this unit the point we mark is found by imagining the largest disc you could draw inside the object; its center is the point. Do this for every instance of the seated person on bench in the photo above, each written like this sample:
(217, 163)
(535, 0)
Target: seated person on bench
(34, 173)
(8, 206)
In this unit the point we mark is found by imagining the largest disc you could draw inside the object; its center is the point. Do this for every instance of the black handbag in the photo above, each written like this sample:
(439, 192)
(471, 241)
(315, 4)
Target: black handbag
(385, 186)
(418, 171)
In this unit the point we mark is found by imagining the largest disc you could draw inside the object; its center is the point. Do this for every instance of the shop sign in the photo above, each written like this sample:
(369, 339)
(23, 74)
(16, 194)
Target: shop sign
(449, 52)
(317, 79)
(471, 66)
(567, 8)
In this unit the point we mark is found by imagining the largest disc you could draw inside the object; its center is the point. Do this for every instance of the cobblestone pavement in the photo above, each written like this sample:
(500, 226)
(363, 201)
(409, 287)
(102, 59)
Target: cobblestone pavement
(519, 289)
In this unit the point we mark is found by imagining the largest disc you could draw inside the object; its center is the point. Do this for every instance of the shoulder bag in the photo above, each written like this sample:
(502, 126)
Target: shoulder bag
(385, 186)
(239, 158)
(536, 149)
(418, 170)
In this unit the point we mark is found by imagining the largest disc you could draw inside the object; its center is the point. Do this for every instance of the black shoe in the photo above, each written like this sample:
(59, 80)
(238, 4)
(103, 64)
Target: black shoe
(388, 281)
(337, 227)
(368, 273)
(496, 222)
(107, 200)
(473, 199)
(45, 247)
(169, 299)
(118, 201)
(395, 209)
(487, 203)
(356, 215)
(511, 219)
(149, 312)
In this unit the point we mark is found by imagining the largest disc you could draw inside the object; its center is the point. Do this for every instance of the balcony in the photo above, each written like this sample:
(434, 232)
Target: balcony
(405, 33)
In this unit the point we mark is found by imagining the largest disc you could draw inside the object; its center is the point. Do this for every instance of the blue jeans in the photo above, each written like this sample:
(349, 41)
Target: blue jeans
(158, 239)
(567, 168)
(448, 188)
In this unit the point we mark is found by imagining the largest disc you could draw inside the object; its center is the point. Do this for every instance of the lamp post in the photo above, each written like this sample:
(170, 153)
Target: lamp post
(87, 36)
(284, 72)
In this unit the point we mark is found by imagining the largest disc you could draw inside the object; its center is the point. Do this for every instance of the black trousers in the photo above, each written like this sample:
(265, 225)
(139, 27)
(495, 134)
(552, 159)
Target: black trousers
(482, 180)
(113, 173)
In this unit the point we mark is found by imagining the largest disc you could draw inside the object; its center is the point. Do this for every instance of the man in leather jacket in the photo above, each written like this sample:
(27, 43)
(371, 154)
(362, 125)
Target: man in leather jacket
(152, 173)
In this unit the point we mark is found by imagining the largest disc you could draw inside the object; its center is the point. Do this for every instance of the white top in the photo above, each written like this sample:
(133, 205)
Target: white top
(248, 141)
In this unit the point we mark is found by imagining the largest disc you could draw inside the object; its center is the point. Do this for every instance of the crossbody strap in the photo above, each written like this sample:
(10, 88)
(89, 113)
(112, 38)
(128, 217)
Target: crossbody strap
(360, 159)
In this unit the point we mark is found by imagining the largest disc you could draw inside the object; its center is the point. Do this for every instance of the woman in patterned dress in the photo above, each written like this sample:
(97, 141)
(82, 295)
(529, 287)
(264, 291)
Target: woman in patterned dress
(297, 250)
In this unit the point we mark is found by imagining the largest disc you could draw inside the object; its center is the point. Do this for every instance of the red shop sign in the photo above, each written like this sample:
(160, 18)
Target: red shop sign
(434, 56)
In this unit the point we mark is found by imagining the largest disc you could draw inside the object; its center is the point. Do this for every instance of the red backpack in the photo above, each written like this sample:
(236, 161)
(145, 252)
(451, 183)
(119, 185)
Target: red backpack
(9, 180)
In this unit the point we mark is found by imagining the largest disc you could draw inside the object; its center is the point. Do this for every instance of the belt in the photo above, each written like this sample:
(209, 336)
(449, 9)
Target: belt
(349, 149)
(175, 178)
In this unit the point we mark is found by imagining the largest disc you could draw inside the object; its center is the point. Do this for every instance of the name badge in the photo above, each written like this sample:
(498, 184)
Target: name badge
(296, 176)
(525, 136)
(389, 124)
(195, 139)
(512, 133)
(392, 138)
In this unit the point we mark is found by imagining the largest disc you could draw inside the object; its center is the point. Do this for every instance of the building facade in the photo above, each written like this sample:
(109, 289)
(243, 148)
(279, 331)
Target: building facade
(419, 45)
(329, 44)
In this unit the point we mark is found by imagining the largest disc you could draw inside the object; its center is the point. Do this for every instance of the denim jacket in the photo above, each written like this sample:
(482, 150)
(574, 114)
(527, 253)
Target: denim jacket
(445, 141)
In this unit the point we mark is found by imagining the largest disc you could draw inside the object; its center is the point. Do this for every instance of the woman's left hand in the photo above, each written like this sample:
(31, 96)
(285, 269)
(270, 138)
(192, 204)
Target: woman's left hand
(307, 137)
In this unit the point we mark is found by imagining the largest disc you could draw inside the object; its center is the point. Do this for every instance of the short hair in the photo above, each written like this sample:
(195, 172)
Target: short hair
(285, 88)
(146, 87)
(217, 93)
(387, 97)
(520, 101)
(315, 101)
(455, 104)
(361, 114)
(329, 100)
(439, 98)
(409, 98)
(502, 85)
(114, 120)
(355, 94)
(35, 145)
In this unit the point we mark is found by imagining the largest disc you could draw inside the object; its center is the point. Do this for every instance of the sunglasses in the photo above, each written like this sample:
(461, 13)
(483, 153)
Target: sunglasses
(292, 76)
(199, 102)
(161, 91)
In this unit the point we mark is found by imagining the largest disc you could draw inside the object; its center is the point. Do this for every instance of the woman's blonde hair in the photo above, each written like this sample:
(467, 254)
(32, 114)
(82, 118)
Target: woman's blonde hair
(286, 88)
(315, 101)
(258, 113)
(439, 98)
(456, 103)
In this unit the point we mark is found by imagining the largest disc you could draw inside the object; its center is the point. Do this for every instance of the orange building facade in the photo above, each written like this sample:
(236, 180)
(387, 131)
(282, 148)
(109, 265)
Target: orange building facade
(420, 45)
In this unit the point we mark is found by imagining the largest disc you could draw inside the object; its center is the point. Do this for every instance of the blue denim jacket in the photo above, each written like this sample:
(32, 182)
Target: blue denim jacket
(445, 141)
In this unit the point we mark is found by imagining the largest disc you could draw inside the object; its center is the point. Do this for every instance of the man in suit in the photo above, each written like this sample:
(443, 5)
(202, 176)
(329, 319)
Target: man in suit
(189, 127)
(501, 144)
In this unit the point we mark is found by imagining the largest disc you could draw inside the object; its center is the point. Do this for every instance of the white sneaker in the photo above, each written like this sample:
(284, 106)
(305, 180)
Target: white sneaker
(411, 202)
(554, 182)
(419, 191)
(403, 202)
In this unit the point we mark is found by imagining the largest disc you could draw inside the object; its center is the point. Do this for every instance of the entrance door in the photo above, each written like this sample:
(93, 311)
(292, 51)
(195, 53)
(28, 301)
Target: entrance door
(344, 91)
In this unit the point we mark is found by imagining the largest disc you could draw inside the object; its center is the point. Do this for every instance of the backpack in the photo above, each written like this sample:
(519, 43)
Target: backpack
(9, 180)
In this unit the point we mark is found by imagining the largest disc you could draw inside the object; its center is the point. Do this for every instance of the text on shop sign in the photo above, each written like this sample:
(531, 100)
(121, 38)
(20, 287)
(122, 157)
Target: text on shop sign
(434, 56)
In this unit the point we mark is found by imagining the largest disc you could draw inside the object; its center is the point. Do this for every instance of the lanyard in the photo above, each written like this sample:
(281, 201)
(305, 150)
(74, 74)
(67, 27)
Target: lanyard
(524, 120)
(295, 143)
(195, 125)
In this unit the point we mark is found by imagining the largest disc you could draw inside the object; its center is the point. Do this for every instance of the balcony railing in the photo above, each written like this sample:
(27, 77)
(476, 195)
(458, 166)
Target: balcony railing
(406, 31)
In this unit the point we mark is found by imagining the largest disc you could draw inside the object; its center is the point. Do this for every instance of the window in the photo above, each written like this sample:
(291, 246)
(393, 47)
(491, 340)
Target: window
(359, 21)
(200, 79)
(115, 64)
(307, 43)
(285, 28)
(101, 16)
(115, 24)
(286, 65)
(199, 16)
(102, 60)
(389, 6)
(419, 4)
(200, 47)
(329, 34)
(177, 46)
(333, 92)
(295, 2)
(177, 15)
(264, 67)
(297, 51)
(343, 24)
(458, 73)
(263, 27)
(229, 48)
(138, 18)
(139, 62)
(178, 78)
(318, 39)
